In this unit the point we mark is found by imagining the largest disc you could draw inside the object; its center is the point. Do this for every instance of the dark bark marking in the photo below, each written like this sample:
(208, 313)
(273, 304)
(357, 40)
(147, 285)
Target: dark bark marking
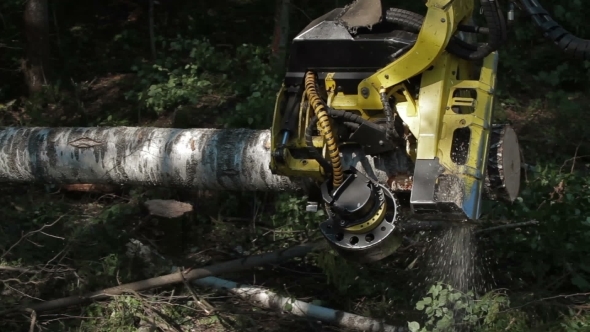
(50, 151)
(85, 142)
(101, 150)
(7, 142)
(226, 160)
(121, 155)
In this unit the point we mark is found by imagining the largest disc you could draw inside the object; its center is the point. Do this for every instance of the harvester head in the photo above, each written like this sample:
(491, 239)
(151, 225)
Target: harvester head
(393, 121)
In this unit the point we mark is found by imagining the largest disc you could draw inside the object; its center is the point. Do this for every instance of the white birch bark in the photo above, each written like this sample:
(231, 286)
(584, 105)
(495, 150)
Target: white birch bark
(214, 159)
(271, 300)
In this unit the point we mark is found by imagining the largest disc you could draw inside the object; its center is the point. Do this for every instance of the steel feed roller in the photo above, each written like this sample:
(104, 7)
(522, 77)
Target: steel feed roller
(365, 82)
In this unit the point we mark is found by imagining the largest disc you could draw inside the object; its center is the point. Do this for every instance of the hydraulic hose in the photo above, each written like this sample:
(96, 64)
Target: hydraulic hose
(572, 45)
(325, 127)
(350, 120)
(497, 30)
(313, 122)
(388, 115)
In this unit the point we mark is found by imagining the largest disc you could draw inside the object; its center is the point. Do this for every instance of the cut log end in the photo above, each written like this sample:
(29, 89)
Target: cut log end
(167, 208)
(89, 188)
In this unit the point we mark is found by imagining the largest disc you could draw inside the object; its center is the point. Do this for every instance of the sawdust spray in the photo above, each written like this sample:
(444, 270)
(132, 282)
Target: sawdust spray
(454, 257)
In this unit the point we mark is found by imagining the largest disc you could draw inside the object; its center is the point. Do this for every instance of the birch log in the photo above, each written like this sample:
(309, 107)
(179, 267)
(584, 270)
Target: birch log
(213, 159)
(271, 300)
(198, 158)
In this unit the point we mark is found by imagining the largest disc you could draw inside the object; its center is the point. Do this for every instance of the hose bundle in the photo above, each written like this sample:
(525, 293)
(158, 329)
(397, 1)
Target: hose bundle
(325, 127)
(497, 30)
(574, 46)
(349, 119)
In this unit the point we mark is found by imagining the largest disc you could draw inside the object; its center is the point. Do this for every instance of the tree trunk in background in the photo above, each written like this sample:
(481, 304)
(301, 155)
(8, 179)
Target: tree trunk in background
(36, 65)
(280, 41)
(151, 28)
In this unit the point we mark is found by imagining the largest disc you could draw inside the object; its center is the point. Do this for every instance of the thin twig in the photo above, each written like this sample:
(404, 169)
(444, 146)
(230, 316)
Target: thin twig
(33, 321)
(18, 269)
(573, 160)
(526, 168)
(301, 10)
(154, 312)
(63, 251)
(206, 306)
(29, 234)
(563, 296)
(23, 294)
(515, 225)
(53, 236)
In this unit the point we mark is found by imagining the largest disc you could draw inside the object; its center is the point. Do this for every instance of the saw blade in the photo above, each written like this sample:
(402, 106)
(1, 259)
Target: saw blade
(504, 164)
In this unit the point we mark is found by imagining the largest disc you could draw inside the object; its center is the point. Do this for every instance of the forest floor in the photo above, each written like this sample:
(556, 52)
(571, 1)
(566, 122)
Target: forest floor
(75, 242)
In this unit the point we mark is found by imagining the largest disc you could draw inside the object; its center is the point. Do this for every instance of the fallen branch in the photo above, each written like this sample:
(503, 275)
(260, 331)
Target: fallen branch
(414, 226)
(173, 278)
(270, 300)
(28, 235)
(33, 321)
(508, 226)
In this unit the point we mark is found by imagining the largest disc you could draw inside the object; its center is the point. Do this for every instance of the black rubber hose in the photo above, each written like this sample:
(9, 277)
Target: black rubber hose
(351, 125)
(496, 27)
(473, 29)
(350, 120)
(414, 21)
(503, 24)
(572, 45)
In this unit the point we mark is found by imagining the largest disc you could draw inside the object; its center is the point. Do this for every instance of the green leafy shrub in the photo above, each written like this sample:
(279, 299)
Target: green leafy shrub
(447, 309)
(560, 244)
(242, 82)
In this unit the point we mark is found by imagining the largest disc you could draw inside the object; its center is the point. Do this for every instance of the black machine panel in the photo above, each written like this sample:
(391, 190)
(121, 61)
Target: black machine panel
(326, 45)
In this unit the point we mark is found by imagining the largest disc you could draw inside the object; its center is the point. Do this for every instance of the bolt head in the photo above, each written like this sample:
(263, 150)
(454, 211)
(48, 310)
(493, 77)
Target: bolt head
(365, 92)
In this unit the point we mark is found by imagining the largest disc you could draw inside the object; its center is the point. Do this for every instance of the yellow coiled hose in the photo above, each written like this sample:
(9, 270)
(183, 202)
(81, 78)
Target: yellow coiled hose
(325, 127)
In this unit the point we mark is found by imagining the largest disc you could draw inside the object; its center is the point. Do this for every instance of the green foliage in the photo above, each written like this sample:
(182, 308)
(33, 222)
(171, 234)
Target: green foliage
(121, 313)
(447, 309)
(193, 73)
(560, 244)
(290, 212)
(575, 322)
(339, 272)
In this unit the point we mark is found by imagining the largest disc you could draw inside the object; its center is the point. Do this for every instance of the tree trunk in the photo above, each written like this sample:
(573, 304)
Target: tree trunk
(151, 29)
(36, 65)
(281, 33)
(210, 159)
